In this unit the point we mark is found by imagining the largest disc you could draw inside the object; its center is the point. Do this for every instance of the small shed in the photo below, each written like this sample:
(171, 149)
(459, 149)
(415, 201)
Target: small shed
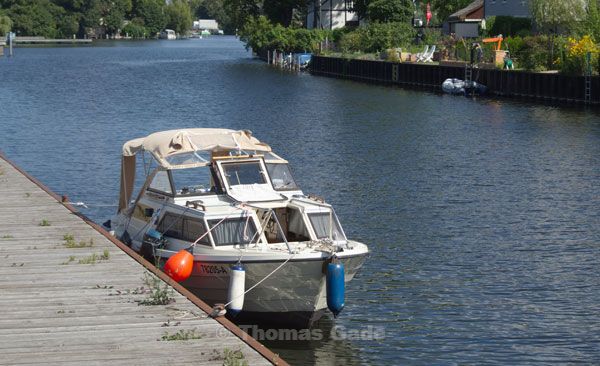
(465, 22)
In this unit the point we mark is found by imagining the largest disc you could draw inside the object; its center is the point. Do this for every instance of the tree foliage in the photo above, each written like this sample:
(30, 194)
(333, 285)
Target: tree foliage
(390, 11)
(555, 15)
(261, 35)
(5, 24)
(377, 37)
(151, 13)
(444, 8)
(179, 16)
(242, 11)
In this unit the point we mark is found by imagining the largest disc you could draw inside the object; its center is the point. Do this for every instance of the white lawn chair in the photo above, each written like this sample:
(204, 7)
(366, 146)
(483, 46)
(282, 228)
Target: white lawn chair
(429, 56)
(421, 54)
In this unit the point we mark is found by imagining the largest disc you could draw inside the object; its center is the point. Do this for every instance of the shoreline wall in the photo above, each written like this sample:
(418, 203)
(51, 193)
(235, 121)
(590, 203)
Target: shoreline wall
(545, 87)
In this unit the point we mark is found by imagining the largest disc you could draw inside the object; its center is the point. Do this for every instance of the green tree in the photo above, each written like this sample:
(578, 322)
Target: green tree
(134, 30)
(5, 25)
(282, 11)
(152, 13)
(107, 14)
(68, 25)
(390, 10)
(591, 24)
(240, 11)
(555, 15)
(35, 18)
(444, 8)
(179, 16)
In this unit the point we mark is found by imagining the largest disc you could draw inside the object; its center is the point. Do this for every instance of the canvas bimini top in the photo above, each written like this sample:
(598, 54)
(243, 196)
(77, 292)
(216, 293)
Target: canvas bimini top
(181, 148)
(187, 148)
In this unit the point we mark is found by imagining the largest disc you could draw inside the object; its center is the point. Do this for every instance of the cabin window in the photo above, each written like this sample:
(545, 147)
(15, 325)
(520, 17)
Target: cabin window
(233, 231)
(243, 173)
(297, 231)
(193, 181)
(161, 182)
(183, 228)
(281, 176)
(321, 222)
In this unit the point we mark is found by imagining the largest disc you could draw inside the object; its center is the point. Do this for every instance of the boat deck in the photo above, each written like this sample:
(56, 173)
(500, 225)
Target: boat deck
(71, 294)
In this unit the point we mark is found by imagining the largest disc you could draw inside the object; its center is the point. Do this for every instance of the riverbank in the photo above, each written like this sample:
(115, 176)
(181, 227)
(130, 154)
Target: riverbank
(542, 87)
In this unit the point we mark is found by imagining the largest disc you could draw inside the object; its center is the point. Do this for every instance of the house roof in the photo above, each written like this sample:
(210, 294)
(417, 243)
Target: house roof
(468, 12)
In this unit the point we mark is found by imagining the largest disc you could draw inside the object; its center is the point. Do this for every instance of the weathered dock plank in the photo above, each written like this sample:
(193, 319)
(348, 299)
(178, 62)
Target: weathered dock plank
(61, 307)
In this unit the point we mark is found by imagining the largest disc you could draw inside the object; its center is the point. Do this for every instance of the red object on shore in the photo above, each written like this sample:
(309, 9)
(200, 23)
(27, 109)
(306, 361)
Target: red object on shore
(179, 266)
(428, 14)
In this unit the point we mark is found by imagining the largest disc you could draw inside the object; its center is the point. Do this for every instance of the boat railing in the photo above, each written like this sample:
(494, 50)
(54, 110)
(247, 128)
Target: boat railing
(271, 212)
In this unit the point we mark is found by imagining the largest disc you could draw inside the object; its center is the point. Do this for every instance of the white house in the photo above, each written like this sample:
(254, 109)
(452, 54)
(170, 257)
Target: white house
(205, 24)
(334, 14)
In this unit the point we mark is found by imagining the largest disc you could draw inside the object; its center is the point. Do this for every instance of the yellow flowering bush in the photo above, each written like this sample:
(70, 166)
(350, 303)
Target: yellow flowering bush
(574, 60)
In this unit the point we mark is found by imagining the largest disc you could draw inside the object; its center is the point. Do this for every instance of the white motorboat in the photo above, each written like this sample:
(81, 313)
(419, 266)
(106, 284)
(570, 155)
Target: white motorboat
(168, 34)
(228, 199)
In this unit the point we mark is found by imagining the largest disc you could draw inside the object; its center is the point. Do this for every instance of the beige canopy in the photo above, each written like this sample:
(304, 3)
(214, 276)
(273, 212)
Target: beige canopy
(168, 144)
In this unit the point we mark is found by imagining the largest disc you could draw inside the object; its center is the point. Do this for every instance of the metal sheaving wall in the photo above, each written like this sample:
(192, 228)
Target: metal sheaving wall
(514, 84)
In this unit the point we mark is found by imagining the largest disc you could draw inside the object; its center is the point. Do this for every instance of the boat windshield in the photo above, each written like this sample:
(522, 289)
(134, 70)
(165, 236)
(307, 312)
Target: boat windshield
(248, 172)
(189, 158)
(233, 231)
(193, 181)
(322, 224)
(281, 176)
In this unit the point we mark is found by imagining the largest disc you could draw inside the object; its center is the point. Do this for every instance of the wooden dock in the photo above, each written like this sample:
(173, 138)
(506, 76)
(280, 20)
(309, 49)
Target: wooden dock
(71, 294)
(42, 40)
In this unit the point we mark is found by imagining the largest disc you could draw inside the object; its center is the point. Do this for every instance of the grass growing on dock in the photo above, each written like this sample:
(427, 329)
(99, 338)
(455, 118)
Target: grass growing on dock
(7, 236)
(181, 335)
(44, 222)
(229, 357)
(160, 292)
(71, 243)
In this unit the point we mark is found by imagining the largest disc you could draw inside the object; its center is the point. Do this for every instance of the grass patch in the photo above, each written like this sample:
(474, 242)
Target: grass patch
(94, 258)
(27, 194)
(159, 293)
(7, 236)
(181, 335)
(229, 357)
(44, 222)
(71, 243)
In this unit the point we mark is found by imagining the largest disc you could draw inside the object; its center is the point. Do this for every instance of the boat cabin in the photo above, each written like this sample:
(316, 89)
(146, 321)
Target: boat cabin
(239, 196)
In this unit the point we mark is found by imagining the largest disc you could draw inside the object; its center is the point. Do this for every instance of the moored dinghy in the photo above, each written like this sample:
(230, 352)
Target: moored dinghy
(226, 198)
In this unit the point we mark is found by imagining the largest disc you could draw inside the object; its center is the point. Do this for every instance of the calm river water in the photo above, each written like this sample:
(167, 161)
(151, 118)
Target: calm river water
(483, 216)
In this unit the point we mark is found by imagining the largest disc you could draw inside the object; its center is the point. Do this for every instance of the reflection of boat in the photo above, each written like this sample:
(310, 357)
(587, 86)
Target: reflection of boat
(460, 87)
(224, 196)
(168, 34)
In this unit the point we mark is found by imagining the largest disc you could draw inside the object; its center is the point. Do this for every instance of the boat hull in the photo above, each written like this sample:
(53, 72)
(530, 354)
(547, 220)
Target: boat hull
(294, 296)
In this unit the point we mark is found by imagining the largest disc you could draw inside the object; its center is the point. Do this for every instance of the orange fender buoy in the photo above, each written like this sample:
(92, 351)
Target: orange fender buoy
(179, 266)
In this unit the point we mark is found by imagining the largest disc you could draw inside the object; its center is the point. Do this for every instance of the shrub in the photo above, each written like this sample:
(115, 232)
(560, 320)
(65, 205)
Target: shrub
(351, 42)
(377, 37)
(574, 61)
(508, 26)
(134, 30)
(260, 34)
(534, 54)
